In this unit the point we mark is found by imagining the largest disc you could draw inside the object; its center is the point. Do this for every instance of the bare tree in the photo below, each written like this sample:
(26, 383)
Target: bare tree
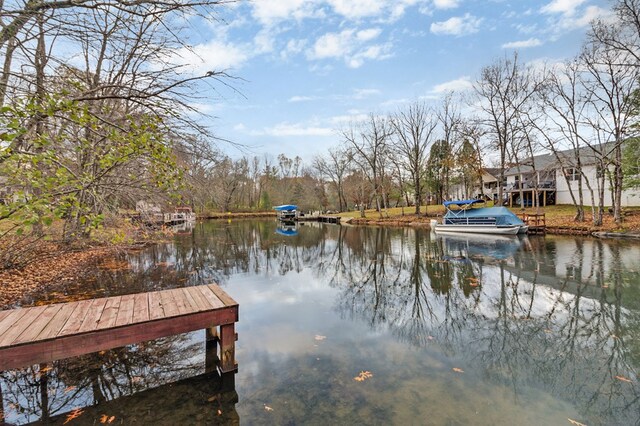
(369, 143)
(563, 127)
(624, 34)
(611, 80)
(504, 90)
(414, 128)
(335, 167)
(450, 120)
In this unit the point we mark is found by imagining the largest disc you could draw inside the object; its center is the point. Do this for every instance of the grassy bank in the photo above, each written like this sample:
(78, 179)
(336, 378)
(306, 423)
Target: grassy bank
(559, 219)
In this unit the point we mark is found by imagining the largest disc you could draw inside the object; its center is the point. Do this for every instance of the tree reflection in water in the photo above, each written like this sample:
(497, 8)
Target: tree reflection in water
(561, 315)
(127, 383)
(505, 304)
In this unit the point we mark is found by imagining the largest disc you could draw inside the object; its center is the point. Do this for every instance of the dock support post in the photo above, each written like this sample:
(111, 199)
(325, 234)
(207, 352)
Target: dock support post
(2, 422)
(227, 348)
(211, 360)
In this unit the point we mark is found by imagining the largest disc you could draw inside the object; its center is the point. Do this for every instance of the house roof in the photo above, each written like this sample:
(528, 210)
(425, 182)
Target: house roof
(566, 158)
(495, 172)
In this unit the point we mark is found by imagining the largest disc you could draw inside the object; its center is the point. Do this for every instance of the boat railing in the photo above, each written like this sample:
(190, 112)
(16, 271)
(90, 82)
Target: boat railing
(470, 221)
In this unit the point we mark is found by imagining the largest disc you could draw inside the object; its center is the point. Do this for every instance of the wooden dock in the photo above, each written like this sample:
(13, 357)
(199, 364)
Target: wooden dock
(537, 222)
(47, 333)
(323, 219)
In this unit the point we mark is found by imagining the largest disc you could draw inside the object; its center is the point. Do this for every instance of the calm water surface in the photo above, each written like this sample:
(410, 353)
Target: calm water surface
(438, 330)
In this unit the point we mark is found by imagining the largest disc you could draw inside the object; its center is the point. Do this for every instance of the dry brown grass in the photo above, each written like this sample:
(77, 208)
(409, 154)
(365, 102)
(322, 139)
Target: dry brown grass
(557, 218)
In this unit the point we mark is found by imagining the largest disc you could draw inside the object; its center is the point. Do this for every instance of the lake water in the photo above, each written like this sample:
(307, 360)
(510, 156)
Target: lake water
(364, 325)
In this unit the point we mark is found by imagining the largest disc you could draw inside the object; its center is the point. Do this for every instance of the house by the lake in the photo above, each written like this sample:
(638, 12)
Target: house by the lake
(553, 177)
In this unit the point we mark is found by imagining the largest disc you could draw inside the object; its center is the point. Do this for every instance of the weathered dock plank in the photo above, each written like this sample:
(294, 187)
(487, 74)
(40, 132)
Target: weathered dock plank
(76, 318)
(141, 307)
(92, 318)
(57, 323)
(38, 325)
(14, 329)
(125, 310)
(46, 333)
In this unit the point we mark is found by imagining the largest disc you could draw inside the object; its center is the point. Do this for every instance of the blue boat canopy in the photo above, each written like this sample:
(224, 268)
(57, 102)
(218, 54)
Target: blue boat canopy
(462, 202)
(286, 232)
(286, 208)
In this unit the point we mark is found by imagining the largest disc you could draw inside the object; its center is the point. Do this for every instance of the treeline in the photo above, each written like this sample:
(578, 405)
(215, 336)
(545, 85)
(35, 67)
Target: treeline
(96, 114)
(584, 112)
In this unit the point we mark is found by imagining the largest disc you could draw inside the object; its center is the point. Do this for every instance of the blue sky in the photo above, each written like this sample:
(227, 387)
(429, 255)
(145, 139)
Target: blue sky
(309, 67)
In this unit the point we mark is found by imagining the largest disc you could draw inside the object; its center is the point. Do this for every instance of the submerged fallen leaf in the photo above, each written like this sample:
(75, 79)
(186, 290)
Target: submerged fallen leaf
(213, 398)
(624, 379)
(267, 408)
(319, 337)
(106, 419)
(573, 422)
(219, 412)
(73, 415)
(364, 375)
(458, 370)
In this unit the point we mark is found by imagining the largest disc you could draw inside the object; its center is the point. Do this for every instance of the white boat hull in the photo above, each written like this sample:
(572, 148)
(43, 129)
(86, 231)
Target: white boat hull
(477, 229)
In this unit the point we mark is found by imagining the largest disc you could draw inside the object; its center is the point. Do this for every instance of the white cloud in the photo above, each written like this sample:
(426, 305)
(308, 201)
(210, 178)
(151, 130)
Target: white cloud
(377, 51)
(526, 29)
(355, 9)
(264, 41)
(296, 129)
(369, 34)
(352, 117)
(333, 45)
(522, 44)
(269, 12)
(365, 93)
(457, 26)
(457, 85)
(446, 4)
(214, 55)
(566, 7)
(293, 48)
(351, 46)
(590, 13)
(301, 98)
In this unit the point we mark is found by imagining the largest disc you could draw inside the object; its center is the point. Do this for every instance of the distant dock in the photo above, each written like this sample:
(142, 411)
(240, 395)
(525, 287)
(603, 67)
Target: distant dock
(320, 218)
(160, 219)
(536, 221)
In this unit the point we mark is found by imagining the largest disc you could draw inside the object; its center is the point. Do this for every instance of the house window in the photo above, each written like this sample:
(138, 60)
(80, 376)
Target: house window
(572, 174)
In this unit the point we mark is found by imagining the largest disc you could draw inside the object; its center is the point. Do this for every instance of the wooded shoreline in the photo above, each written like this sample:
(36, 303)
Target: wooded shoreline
(64, 265)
